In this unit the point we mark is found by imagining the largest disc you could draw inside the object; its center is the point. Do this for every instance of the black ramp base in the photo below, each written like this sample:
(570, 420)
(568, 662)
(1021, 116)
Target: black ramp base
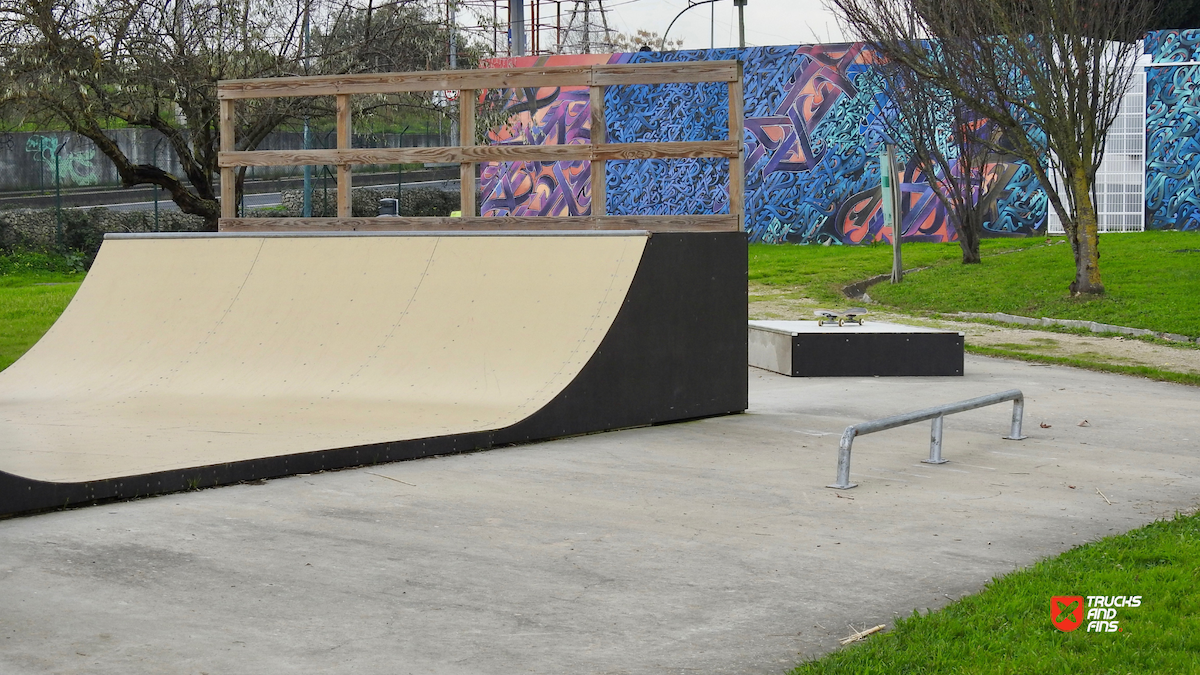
(676, 351)
(877, 354)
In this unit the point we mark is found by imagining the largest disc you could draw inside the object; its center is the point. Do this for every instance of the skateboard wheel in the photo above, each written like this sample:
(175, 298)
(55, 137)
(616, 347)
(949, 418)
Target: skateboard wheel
(820, 322)
(841, 323)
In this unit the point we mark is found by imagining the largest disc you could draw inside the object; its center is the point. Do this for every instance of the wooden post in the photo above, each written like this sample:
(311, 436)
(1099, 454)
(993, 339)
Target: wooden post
(466, 137)
(599, 137)
(737, 165)
(344, 142)
(228, 183)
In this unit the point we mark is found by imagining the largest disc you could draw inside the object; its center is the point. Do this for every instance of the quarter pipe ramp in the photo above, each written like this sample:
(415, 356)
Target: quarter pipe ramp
(197, 360)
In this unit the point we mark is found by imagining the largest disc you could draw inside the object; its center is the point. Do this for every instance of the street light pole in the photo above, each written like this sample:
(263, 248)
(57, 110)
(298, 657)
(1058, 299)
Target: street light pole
(400, 173)
(155, 186)
(58, 224)
(306, 209)
(691, 4)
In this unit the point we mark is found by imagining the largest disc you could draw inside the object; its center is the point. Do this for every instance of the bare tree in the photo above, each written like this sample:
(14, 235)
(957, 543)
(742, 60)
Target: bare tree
(942, 136)
(89, 65)
(1049, 73)
(644, 40)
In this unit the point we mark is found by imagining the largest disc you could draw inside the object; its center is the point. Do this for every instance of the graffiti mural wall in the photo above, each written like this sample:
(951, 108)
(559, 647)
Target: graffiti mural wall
(813, 134)
(546, 116)
(73, 168)
(1173, 131)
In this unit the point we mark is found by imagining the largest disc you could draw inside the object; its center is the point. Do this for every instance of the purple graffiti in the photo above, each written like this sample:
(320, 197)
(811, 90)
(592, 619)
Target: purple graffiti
(545, 117)
(814, 88)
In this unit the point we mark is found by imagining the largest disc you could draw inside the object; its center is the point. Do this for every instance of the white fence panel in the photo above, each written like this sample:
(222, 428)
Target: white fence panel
(1121, 181)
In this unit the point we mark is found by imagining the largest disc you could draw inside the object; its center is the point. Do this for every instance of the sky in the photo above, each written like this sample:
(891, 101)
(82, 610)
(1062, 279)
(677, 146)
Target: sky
(768, 22)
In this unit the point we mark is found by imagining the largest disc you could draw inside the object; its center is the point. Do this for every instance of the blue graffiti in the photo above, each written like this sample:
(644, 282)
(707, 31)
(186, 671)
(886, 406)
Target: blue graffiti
(1173, 132)
(814, 124)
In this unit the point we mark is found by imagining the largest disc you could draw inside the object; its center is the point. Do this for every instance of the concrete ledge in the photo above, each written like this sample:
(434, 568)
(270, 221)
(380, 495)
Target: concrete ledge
(804, 349)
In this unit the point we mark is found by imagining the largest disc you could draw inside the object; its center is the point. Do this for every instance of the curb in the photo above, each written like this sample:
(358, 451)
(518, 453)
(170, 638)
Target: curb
(1093, 326)
(858, 289)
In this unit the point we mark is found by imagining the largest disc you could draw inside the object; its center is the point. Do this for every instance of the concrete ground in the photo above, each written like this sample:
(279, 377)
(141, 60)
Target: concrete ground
(711, 546)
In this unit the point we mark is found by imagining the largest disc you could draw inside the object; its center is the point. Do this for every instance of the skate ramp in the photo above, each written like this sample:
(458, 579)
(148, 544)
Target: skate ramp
(188, 361)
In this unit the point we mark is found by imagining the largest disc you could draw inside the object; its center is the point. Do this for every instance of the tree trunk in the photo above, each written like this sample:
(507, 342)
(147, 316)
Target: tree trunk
(1085, 241)
(147, 174)
(968, 239)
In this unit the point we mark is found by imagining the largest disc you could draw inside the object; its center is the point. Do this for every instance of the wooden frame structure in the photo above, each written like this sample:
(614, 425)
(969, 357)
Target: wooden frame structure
(467, 154)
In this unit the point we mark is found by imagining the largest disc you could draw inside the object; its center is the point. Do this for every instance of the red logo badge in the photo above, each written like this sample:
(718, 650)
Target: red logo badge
(1066, 612)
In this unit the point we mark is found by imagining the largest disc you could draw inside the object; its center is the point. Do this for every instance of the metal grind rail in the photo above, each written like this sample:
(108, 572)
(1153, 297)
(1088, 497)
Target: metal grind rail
(935, 440)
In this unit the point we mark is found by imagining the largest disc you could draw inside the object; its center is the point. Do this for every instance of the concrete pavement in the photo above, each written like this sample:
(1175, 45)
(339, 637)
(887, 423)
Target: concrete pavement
(710, 546)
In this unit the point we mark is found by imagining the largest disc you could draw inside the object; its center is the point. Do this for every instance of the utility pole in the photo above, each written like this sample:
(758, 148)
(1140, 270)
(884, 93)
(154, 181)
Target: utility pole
(451, 17)
(516, 27)
(580, 27)
(741, 5)
(587, 27)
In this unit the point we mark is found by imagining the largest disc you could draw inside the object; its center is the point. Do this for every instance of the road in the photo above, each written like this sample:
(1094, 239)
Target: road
(258, 201)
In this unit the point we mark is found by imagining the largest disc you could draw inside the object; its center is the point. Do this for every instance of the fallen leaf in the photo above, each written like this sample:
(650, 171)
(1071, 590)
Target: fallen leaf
(1044, 425)
(1084, 424)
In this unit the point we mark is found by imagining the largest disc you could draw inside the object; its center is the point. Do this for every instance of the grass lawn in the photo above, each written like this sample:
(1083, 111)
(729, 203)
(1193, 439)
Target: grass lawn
(1006, 627)
(1152, 278)
(34, 290)
(820, 272)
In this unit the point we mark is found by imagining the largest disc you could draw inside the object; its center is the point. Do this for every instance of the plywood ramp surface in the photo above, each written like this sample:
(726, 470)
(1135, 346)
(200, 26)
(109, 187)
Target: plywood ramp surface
(184, 352)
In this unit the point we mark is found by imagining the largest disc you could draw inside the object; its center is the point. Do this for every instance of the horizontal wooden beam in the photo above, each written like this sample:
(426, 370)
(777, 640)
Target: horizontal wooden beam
(395, 83)
(481, 153)
(664, 150)
(483, 78)
(665, 73)
(701, 223)
(338, 157)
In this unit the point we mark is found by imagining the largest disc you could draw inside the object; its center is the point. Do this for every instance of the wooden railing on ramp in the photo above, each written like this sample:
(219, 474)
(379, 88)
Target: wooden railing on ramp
(467, 154)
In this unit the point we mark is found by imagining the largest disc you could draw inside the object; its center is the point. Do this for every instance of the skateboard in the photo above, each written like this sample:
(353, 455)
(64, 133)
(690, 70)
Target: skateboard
(852, 315)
